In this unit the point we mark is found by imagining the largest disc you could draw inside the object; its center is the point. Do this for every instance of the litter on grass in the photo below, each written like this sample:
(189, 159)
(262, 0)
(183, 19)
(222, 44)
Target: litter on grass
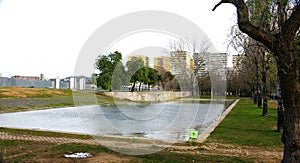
(78, 155)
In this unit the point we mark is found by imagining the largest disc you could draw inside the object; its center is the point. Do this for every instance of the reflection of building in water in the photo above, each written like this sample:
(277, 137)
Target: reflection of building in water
(162, 63)
(138, 56)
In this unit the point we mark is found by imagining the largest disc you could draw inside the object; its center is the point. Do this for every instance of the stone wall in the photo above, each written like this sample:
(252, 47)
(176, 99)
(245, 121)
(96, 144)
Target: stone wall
(148, 96)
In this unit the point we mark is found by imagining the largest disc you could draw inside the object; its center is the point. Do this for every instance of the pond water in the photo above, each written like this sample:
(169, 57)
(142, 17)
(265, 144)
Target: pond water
(167, 120)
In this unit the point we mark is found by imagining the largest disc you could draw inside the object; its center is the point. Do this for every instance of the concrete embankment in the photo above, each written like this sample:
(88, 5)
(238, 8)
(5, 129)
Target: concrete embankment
(205, 134)
(148, 96)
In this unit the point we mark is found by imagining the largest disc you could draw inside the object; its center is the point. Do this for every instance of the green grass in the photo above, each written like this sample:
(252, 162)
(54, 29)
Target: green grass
(209, 97)
(244, 125)
(48, 98)
(22, 92)
(172, 157)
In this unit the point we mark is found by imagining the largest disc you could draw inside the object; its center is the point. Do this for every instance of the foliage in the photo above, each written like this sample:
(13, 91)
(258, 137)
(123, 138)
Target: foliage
(108, 65)
(204, 85)
(165, 78)
(152, 76)
(137, 72)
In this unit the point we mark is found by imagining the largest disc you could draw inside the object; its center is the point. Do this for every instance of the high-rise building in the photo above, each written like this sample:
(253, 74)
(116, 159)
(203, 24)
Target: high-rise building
(138, 56)
(180, 62)
(162, 64)
(212, 64)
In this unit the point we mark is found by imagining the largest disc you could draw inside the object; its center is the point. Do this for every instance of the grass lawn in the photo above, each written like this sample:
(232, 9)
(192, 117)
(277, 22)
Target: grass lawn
(244, 125)
(14, 99)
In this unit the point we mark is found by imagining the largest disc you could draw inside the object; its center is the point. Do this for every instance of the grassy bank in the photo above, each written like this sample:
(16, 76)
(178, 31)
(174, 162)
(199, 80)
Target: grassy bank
(244, 125)
(14, 99)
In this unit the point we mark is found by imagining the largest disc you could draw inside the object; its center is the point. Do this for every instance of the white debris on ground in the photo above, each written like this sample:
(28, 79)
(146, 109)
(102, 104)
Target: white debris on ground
(78, 155)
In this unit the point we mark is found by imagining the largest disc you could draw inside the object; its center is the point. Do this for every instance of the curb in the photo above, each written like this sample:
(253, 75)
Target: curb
(206, 133)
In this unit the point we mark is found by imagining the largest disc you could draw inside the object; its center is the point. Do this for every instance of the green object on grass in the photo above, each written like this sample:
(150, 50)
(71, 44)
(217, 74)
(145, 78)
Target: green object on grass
(193, 134)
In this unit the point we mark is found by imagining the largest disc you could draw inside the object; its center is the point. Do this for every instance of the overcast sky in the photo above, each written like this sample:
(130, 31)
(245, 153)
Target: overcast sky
(46, 36)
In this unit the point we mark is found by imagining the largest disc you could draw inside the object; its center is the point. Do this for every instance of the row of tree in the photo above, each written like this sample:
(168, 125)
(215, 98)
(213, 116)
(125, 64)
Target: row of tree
(113, 75)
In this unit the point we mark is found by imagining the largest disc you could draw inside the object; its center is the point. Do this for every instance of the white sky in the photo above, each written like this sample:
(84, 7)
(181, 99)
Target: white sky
(46, 36)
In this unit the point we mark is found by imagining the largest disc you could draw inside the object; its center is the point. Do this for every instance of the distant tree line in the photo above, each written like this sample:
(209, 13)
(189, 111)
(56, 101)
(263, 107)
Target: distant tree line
(114, 76)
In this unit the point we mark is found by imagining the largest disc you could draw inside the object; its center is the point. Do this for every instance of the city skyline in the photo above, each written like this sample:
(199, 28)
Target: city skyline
(164, 60)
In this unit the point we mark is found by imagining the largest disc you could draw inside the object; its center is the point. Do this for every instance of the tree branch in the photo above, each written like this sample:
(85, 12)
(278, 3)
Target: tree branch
(246, 26)
(291, 26)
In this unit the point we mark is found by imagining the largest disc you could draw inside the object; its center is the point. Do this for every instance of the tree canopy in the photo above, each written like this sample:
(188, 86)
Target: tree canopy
(108, 65)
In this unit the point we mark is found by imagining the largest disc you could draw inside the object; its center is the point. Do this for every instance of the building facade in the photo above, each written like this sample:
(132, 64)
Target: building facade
(212, 64)
(180, 62)
(139, 56)
(162, 63)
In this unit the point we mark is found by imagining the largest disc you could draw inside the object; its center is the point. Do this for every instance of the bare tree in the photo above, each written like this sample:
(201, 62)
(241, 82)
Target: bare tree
(188, 72)
(281, 44)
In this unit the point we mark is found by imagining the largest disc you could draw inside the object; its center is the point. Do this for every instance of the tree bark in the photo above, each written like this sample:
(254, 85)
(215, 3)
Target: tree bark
(133, 87)
(264, 89)
(140, 86)
(289, 84)
(257, 86)
(280, 110)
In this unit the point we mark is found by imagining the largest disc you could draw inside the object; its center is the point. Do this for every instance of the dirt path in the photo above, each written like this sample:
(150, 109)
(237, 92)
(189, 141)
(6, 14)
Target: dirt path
(258, 153)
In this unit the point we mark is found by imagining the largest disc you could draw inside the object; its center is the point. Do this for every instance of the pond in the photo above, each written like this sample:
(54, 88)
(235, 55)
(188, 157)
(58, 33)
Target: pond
(166, 120)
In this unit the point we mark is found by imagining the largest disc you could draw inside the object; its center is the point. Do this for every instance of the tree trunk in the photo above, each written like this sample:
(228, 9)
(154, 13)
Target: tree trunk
(280, 110)
(140, 86)
(254, 95)
(291, 132)
(259, 99)
(133, 87)
(289, 84)
(256, 85)
(264, 90)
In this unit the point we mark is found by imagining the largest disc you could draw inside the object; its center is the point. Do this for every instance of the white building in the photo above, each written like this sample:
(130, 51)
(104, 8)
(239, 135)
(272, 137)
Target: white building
(215, 64)
(180, 62)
